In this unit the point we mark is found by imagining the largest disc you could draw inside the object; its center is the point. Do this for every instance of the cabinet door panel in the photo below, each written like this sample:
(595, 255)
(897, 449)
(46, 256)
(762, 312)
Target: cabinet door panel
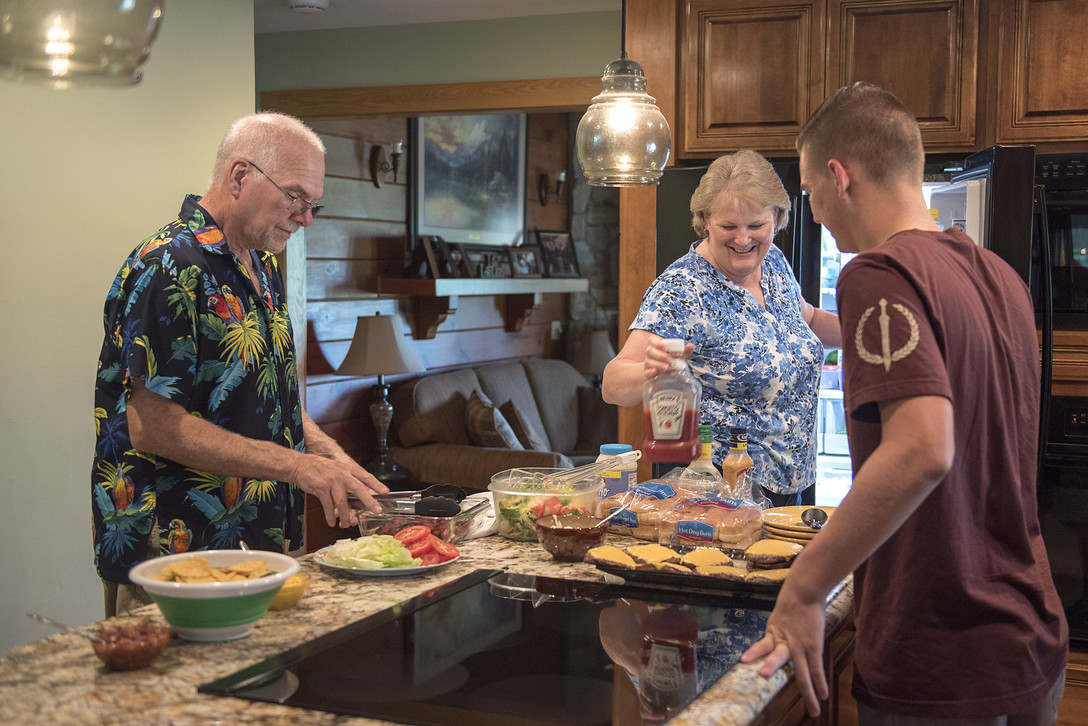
(923, 51)
(750, 73)
(1043, 85)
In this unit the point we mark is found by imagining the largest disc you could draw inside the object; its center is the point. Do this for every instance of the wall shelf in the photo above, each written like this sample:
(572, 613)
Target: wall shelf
(435, 300)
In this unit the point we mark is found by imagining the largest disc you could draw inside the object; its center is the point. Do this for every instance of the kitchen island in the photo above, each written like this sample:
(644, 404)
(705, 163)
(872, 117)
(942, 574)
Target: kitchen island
(59, 680)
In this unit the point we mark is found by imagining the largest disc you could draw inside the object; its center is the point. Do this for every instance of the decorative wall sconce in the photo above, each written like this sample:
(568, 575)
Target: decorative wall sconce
(380, 165)
(546, 187)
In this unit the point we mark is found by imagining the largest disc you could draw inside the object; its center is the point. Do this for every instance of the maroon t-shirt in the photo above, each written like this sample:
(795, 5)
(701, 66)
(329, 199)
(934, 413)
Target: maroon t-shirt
(956, 614)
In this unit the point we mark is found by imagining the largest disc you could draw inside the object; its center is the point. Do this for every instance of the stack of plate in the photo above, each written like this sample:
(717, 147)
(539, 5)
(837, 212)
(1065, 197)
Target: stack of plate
(785, 523)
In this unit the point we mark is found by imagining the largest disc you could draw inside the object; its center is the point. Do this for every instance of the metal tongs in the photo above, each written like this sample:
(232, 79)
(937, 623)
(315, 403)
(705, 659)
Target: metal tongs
(578, 473)
(437, 500)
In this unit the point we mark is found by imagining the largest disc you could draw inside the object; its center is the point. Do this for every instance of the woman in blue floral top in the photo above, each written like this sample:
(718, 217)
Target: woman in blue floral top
(753, 342)
(202, 439)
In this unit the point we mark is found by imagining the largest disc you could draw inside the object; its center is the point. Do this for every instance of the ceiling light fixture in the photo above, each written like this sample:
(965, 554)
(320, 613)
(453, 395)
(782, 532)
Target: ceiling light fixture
(87, 43)
(623, 138)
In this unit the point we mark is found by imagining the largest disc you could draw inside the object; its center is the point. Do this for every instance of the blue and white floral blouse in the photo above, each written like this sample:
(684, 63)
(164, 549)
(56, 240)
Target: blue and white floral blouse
(759, 367)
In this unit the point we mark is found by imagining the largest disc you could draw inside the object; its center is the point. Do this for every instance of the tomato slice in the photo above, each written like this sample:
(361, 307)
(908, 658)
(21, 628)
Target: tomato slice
(411, 534)
(430, 558)
(420, 546)
(443, 549)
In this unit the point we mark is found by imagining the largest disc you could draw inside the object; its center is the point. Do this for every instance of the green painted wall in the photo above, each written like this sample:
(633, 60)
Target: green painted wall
(545, 46)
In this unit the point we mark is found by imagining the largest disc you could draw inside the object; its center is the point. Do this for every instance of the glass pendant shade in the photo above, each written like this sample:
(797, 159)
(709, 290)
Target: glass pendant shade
(623, 138)
(77, 43)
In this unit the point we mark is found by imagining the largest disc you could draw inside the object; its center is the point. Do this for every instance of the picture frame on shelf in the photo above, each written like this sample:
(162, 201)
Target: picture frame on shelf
(557, 253)
(459, 260)
(469, 177)
(438, 257)
(488, 262)
(525, 261)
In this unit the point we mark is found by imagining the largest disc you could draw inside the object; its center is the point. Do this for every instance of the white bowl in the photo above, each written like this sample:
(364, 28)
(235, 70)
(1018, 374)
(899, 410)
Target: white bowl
(214, 611)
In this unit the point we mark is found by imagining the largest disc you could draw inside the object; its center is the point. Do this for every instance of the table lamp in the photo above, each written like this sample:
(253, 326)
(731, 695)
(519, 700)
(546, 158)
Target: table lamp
(593, 354)
(379, 348)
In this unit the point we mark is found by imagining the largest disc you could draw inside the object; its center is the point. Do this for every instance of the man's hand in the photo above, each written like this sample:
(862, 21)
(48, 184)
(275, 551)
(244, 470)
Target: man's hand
(333, 478)
(795, 630)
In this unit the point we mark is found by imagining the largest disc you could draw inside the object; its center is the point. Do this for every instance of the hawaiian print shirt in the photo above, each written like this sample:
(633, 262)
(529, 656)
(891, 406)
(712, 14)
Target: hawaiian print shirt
(183, 317)
(759, 367)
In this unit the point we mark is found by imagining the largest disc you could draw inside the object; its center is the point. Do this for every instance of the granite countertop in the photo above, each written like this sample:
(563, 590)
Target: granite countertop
(59, 680)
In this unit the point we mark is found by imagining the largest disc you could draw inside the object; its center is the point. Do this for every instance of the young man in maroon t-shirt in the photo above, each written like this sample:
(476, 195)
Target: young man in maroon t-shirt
(957, 617)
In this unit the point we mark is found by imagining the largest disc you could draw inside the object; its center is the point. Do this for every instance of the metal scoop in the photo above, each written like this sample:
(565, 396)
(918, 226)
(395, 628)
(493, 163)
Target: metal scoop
(814, 517)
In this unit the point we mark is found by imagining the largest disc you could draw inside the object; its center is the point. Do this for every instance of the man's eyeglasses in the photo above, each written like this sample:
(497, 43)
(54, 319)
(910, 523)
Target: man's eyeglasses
(298, 204)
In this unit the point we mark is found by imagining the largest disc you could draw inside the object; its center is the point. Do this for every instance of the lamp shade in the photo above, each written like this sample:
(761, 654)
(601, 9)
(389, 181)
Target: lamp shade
(623, 138)
(594, 353)
(378, 348)
(67, 43)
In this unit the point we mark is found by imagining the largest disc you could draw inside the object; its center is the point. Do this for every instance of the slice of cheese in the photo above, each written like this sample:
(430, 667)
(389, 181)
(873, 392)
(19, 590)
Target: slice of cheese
(651, 553)
(610, 556)
(705, 556)
(724, 572)
(767, 577)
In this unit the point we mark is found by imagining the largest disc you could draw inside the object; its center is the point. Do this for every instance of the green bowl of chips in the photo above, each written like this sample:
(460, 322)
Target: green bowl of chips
(214, 595)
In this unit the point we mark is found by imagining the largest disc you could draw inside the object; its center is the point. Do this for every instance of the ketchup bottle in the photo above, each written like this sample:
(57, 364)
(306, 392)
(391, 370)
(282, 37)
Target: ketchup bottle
(667, 679)
(670, 404)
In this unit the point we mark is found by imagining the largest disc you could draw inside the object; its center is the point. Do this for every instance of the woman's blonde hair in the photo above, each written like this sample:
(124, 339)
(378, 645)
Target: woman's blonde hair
(749, 180)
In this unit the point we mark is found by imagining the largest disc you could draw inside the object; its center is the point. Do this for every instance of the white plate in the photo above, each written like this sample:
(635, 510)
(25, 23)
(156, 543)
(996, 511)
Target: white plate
(321, 554)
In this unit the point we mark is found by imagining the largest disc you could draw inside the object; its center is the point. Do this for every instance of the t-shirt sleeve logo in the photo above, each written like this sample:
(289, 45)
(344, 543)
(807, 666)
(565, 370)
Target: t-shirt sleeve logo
(886, 356)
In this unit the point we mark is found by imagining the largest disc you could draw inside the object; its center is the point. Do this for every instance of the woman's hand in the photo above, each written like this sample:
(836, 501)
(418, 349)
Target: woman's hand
(642, 357)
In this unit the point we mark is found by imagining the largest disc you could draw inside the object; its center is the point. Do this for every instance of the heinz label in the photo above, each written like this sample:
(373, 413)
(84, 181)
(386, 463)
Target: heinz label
(667, 414)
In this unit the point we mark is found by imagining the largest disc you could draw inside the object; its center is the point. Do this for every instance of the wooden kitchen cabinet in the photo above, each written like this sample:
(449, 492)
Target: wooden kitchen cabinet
(1042, 86)
(752, 72)
(923, 51)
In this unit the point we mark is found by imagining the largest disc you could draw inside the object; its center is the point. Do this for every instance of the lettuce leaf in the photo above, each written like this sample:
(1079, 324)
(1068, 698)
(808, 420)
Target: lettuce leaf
(371, 553)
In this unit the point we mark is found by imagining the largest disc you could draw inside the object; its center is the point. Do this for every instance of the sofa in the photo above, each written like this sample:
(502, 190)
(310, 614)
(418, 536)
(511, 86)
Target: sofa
(463, 426)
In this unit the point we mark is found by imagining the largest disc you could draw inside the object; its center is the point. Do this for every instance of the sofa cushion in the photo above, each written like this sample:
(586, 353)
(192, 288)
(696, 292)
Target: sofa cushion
(555, 385)
(486, 425)
(431, 409)
(504, 382)
(528, 434)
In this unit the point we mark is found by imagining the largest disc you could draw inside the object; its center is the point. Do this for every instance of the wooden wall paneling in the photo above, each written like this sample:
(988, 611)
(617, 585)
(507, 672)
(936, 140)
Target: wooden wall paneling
(362, 236)
(936, 39)
(549, 140)
(538, 95)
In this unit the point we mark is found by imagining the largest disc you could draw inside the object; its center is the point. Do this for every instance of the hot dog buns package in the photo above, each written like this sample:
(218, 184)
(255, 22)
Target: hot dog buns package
(729, 524)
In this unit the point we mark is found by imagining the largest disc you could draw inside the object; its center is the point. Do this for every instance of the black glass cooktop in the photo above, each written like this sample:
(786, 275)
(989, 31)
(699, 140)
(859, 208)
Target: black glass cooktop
(498, 648)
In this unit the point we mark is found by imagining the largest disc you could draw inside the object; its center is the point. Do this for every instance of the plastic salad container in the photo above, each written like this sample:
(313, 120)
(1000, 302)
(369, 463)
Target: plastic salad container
(524, 495)
(473, 515)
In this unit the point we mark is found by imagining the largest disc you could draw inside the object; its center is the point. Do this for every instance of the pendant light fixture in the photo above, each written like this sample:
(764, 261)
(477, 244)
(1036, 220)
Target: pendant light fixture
(623, 138)
(77, 43)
